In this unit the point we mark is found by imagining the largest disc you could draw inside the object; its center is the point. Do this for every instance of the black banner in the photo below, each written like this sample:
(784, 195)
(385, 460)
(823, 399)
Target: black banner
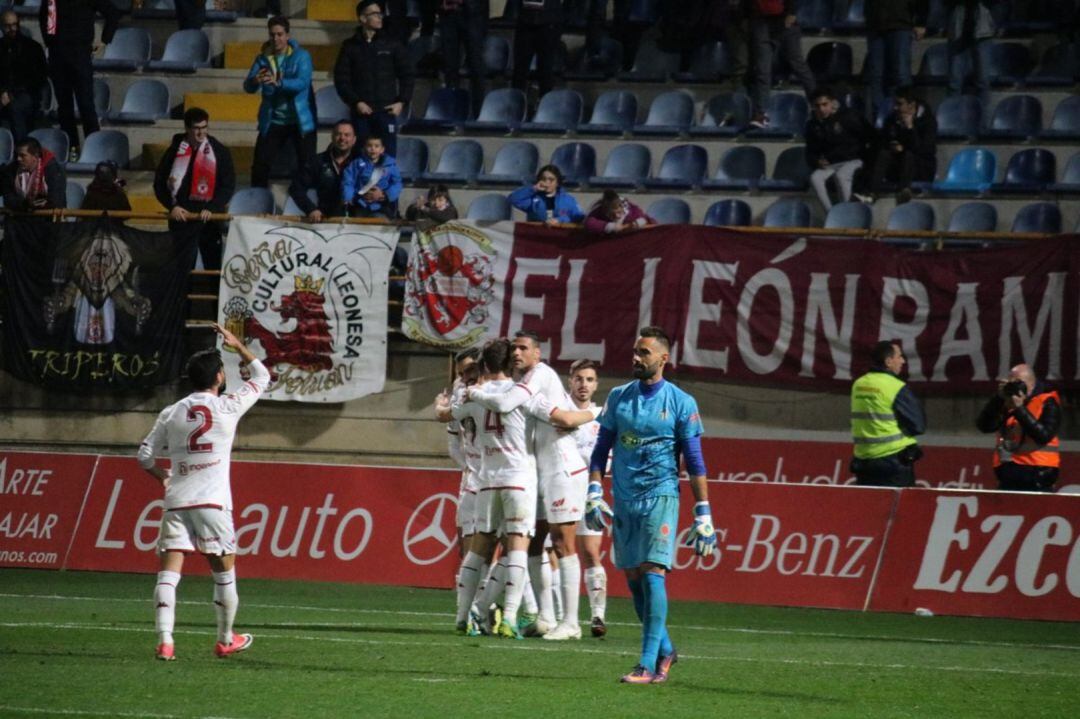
(93, 304)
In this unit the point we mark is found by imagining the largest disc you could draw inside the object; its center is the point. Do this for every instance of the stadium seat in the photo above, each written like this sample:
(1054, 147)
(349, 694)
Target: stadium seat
(681, 167)
(1059, 67)
(53, 140)
(576, 161)
(496, 56)
(934, 66)
(412, 158)
(613, 114)
(101, 146)
(1017, 117)
(725, 115)
(974, 217)
(912, 216)
(1008, 63)
(791, 173)
(503, 110)
(669, 211)
(129, 50)
(970, 170)
(741, 168)
(849, 16)
(291, 208)
(787, 113)
(959, 117)
(252, 201)
(74, 192)
(1028, 172)
(492, 207)
(447, 108)
(146, 100)
(7, 146)
(1070, 178)
(831, 62)
(729, 213)
(815, 15)
(102, 100)
(560, 111)
(329, 107)
(710, 62)
(1065, 124)
(651, 64)
(185, 51)
(670, 113)
(787, 212)
(515, 163)
(627, 165)
(849, 216)
(27, 8)
(1042, 217)
(460, 162)
(596, 68)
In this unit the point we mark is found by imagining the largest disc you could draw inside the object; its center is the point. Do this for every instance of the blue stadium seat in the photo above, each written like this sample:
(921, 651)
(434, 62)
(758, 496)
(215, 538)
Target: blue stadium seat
(791, 173)
(100, 146)
(787, 113)
(54, 140)
(651, 64)
(1016, 117)
(185, 51)
(670, 113)
(496, 57)
(912, 216)
(129, 50)
(576, 161)
(329, 106)
(102, 100)
(831, 62)
(787, 212)
(515, 163)
(412, 158)
(849, 216)
(849, 16)
(613, 114)
(560, 111)
(729, 213)
(934, 66)
(503, 110)
(146, 100)
(682, 167)
(709, 63)
(725, 115)
(1038, 217)
(1059, 67)
(447, 108)
(460, 162)
(7, 146)
(974, 217)
(27, 8)
(1065, 124)
(1070, 178)
(291, 208)
(1008, 63)
(627, 165)
(74, 192)
(669, 211)
(1028, 172)
(959, 117)
(741, 168)
(491, 207)
(815, 15)
(970, 170)
(252, 201)
(584, 67)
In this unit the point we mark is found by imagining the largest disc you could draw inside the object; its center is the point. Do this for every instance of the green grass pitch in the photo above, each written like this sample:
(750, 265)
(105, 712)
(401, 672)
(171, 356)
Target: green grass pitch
(81, 644)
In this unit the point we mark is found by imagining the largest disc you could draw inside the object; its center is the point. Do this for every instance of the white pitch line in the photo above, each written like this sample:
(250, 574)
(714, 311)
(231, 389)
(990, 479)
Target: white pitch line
(531, 647)
(83, 712)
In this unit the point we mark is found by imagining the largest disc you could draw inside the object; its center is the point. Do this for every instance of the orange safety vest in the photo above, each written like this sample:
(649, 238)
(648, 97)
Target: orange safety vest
(1016, 447)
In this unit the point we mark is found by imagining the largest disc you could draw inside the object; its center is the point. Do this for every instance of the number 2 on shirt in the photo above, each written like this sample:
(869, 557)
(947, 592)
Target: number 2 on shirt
(493, 422)
(194, 413)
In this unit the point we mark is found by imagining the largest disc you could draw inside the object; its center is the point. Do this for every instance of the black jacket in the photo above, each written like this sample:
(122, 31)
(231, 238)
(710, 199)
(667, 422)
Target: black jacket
(540, 12)
(22, 66)
(886, 15)
(224, 184)
(323, 176)
(75, 22)
(840, 137)
(55, 181)
(377, 72)
(920, 139)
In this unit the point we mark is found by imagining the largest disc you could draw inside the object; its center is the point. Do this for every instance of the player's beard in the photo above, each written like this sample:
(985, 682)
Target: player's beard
(642, 371)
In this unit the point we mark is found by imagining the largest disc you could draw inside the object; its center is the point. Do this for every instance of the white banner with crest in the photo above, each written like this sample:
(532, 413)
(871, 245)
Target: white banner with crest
(310, 301)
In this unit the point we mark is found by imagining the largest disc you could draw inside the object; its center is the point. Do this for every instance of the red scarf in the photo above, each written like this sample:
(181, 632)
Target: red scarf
(50, 21)
(203, 174)
(35, 185)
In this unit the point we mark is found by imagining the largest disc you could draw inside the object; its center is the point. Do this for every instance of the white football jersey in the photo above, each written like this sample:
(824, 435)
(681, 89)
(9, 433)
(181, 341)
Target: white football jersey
(502, 439)
(198, 433)
(585, 437)
(466, 434)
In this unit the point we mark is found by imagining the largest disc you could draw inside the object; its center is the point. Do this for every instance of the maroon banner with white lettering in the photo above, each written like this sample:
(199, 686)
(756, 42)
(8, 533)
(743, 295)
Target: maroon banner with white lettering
(41, 495)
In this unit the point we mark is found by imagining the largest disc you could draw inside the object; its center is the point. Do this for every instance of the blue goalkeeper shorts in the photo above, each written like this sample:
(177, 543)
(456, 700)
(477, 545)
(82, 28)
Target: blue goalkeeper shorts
(645, 532)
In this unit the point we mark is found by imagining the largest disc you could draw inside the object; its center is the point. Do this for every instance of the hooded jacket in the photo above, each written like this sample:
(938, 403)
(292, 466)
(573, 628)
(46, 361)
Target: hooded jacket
(295, 85)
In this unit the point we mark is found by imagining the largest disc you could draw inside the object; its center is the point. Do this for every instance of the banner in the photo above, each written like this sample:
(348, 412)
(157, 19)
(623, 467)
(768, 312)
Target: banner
(93, 305)
(311, 302)
(767, 309)
(41, 496)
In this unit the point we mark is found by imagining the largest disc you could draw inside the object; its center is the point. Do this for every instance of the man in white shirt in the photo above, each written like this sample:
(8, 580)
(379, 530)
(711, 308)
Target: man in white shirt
(198, 432)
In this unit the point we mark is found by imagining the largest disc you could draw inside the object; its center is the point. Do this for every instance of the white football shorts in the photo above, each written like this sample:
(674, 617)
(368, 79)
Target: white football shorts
(466, 513)
(206, 530)
(509, 508)
(561, 498)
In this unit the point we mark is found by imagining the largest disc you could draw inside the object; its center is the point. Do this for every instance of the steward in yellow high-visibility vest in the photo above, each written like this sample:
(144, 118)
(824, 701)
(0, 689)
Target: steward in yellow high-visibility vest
(885, 418)
(1026, 418)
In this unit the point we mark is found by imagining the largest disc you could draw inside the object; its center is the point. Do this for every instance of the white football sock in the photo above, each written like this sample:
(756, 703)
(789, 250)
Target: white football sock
(540, 574)
(570, 588)
(225, 603)
(515, 584)
(528, 598)
(165, 603)
(495, 584)
(556, 593)
(468, 579)
(596, 585)
(485, 572)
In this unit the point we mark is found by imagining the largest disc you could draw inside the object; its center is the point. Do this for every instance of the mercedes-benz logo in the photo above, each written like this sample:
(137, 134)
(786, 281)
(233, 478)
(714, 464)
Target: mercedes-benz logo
(430, 530)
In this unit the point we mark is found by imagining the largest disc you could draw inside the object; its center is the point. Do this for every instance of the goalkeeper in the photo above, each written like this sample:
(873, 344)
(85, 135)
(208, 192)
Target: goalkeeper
(648, 423)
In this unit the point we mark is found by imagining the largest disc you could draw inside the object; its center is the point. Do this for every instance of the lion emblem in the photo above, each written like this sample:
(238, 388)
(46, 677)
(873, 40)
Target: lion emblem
(310, 345)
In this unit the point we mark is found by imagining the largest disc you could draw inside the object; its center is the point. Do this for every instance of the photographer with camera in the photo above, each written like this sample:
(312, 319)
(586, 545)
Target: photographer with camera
(885, 418)
(1026, 418)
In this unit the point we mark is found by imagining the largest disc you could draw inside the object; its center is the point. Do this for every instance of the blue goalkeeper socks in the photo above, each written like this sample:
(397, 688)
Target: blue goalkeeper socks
(637, 590)
(655, 640)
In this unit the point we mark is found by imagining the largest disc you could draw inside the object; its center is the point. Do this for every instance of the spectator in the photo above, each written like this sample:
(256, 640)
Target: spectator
(190, 14)
(34, 180)
(464, 22)
(546, 201)
(106, 190)
(1026, 417)
(890, 27)
(23, 74)
(970, 31)
(836, 139)
(537, 33)
(374, 77)
(323, 174)
(434, 208)
(774, 31)
(907, 147)
(372, 184)
(396, 23)
(282, 73)
(67, 26)
(194, 179)
(613, 214)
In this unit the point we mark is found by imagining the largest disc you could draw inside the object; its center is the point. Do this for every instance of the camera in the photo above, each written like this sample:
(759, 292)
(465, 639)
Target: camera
(1015, 388)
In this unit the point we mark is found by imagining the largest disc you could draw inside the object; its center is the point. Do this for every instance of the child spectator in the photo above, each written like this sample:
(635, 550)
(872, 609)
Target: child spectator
(435, 208)
(546, 201)
(106, 190)
(613, 213)
(372, 184)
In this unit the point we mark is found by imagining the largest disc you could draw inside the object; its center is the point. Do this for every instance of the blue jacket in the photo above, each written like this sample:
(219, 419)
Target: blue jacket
(531, 202)
(295, 70)
(359, 172)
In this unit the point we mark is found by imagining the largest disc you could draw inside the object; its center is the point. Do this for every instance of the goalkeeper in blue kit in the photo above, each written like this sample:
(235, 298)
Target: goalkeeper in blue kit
(649, 423)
